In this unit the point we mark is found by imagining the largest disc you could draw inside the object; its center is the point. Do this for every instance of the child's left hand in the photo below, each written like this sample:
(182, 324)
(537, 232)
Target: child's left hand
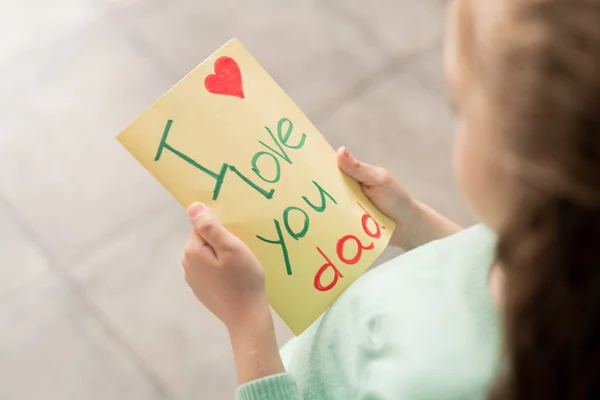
(222, 271)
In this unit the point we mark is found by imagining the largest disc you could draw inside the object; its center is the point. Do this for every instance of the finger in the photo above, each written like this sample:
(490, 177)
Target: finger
(364, 173)
(197, 251)
(199, 243)
(208, 227)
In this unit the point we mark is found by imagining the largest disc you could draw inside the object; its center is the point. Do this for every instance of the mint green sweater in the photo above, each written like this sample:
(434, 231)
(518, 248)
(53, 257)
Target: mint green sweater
(421, 326)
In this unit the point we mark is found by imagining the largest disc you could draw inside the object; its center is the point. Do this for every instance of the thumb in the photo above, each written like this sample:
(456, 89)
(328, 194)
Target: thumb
(366, 174)
(208, 227)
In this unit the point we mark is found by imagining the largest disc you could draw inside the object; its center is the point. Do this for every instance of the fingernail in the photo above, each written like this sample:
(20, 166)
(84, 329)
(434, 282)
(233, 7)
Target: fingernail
(195, 209)
(345, 152)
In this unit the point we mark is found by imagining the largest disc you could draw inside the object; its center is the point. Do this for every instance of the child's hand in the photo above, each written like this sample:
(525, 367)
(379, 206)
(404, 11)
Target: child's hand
(228, 279)
(386, 193)
(222, 271)
(416, 224)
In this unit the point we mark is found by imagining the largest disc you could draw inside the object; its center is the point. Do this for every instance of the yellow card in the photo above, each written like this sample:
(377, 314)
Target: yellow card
(228, 136)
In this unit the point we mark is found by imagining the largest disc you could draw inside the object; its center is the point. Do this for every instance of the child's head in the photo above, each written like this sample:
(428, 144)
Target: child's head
(525, 78)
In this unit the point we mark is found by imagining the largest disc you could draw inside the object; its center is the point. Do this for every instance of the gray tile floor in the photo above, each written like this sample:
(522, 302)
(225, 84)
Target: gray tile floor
(92, 300)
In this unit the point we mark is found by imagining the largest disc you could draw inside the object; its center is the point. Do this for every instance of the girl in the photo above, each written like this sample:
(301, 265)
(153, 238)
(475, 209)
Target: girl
(525, 79)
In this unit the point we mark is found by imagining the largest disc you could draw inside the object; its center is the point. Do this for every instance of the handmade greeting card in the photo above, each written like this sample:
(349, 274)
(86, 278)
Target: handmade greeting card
(228, 136)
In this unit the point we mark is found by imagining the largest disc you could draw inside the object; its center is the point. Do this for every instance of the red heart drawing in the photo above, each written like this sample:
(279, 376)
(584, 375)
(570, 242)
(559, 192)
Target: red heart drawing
(227, 78)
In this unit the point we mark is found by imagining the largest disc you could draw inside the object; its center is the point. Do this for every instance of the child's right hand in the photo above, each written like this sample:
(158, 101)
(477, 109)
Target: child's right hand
(416, 224)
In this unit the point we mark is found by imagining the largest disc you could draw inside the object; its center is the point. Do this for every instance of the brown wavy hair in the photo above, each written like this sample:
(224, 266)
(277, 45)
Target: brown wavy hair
(542, 75)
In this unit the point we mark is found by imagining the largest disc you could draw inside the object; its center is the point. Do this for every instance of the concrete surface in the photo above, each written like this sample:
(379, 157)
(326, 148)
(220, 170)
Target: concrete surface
(92, 301)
